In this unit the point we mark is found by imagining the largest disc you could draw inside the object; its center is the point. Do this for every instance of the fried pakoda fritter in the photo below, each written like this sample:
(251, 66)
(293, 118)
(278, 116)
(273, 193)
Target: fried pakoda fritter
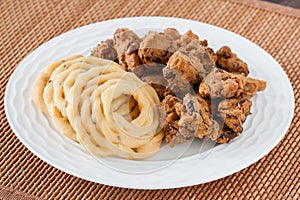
(157, 48)
(188, 118)
(222, 84)
(127, 44)
(105, 50)
(233, 113)
(196, 118)
(172, 109)
(229, 61)
(187, 67)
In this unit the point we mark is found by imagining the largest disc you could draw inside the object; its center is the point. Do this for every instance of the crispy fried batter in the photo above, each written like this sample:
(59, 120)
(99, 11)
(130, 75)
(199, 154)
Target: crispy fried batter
(196, 119)
(227, 135)
(105, 49)
(176, 83)
(193, 117)
(172, 107)
(233, 112)
(190, 37)
(252, 86)
(158, 47)
(212, 54)
(229, 61)
(186, 67)
(187, 119)
(220, 83)
(127, 43)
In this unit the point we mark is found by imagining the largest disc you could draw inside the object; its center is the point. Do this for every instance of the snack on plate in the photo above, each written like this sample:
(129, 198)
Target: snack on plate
(106, 109)
(134, 91)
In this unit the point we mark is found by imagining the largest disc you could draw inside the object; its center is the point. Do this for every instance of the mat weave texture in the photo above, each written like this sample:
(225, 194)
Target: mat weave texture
(25, 25)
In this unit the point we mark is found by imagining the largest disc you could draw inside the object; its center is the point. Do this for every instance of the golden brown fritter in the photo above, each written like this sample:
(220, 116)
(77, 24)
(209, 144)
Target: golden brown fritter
(105, 50)
(172, 109)
(187, 67)
(251, 86)
(221, 84)
(127, 43)
(229, 61)
(196, 119)
(188, 118)
(159, 47)
(233, 113)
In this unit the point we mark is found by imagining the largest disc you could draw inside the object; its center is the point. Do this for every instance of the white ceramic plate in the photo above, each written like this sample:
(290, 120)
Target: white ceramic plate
(272, 114)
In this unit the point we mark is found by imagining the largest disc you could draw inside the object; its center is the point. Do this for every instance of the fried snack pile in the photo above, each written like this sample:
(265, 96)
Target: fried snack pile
(204, 94)
(95, 102)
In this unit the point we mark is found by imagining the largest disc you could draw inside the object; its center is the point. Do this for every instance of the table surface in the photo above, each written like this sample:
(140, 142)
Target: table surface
(25, 25)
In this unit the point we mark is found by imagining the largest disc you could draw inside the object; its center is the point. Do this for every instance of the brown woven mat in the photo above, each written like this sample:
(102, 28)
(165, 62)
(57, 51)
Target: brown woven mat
(27, 24)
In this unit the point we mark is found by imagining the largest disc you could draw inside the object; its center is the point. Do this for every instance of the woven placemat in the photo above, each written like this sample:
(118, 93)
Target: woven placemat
(27, 24)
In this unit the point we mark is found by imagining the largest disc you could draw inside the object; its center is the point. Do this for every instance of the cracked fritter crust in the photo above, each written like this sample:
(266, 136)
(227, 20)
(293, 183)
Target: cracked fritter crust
(188, 118)
(233, 112)
(222, 84)
(195, 119)
(229, 61)
(127, 43)
(159, 47)
(105, 50)
(187, 67)
(172, 109)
